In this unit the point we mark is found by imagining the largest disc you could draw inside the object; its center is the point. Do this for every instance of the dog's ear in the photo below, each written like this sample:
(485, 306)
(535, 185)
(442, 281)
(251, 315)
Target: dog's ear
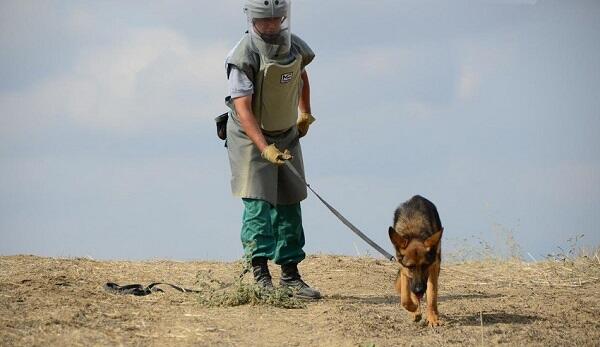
(398, 241)
(434, 239)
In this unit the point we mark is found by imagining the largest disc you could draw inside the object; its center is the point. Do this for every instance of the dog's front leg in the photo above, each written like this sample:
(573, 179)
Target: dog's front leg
(408, 300)
(432, 293)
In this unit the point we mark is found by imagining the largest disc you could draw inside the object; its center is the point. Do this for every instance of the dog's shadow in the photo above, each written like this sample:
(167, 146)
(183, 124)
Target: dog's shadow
(395, 299)
(371, 300)
(489, 318)
(492, 318)
(450, 297)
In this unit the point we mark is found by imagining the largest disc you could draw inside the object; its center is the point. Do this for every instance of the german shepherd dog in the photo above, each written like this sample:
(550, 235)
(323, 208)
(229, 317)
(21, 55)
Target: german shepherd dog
(416, 236)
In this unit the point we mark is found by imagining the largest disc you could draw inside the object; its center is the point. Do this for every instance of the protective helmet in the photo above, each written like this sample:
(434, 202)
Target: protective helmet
(269, 26)
(267, 8)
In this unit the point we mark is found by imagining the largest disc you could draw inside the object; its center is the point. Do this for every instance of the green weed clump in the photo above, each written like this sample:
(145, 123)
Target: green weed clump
(216, 293)
(242, 293)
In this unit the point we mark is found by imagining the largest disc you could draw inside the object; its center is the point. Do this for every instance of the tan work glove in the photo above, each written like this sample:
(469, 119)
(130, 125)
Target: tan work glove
(274, 155)
(304, 120)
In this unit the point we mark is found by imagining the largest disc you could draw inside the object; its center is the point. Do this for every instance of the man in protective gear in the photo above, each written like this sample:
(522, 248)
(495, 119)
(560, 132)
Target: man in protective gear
(269, 111)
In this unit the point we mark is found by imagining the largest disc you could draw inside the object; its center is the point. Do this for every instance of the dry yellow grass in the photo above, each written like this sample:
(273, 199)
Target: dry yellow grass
(48, 301)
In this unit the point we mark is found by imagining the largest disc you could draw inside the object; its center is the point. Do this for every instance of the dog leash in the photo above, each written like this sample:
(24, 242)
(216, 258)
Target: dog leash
(339, 215)
(140, 290)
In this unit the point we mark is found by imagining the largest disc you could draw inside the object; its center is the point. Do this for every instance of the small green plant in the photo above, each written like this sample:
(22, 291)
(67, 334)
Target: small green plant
(241, 293)
(216, 293)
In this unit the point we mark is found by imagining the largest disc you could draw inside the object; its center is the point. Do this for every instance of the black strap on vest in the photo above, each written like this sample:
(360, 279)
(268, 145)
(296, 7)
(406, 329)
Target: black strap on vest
(140, 290)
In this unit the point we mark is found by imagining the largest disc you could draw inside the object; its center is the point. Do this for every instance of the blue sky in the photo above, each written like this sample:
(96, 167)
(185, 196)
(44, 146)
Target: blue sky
(490, 109)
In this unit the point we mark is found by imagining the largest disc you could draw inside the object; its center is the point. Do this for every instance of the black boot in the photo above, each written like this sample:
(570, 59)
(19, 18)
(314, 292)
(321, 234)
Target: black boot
(260, 269)
(290, 278)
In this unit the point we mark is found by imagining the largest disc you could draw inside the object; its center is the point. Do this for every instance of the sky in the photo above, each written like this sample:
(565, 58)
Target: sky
(490, 109)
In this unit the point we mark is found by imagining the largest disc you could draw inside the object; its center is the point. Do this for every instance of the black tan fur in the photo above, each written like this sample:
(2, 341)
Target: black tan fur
(416, 236)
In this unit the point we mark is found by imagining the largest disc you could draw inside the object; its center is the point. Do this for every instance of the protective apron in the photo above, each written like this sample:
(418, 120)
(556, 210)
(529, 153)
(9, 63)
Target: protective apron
(275, 104)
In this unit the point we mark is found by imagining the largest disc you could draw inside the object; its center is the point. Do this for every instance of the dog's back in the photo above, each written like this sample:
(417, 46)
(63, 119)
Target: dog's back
(417, 218)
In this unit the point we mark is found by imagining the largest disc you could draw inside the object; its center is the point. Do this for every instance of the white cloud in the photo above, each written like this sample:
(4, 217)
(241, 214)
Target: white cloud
(468, 82)
(412, 80)
(419, 110)
(568, 183)
(147, 78)
(381, 61)
(479, 61)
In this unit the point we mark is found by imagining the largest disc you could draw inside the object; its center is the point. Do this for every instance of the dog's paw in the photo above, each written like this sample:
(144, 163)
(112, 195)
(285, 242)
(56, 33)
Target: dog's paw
(416, 316)
(433, 321)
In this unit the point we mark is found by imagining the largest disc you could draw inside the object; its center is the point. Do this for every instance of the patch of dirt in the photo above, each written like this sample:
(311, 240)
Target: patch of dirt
(49, 301)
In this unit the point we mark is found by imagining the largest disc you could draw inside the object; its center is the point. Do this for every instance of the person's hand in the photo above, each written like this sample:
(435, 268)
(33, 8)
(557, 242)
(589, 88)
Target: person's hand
(274, 155)
(304, 120)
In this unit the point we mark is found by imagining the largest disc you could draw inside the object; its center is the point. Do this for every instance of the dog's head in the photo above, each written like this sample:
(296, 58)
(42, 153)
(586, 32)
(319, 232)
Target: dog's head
(416, 258)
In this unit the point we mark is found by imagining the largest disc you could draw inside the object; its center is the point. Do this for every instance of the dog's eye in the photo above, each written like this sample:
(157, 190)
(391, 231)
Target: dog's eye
(431, 255)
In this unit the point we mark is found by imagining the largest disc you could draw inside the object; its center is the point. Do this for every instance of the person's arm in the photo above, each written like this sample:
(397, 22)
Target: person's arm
(243, 109)
(305, 119)
(241, 90)
(304, 103)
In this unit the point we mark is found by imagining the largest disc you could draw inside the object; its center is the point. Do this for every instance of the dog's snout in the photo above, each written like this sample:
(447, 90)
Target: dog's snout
(419, 289)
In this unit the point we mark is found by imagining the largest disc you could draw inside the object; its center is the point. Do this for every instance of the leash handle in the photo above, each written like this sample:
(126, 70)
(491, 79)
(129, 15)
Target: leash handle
(340, 216)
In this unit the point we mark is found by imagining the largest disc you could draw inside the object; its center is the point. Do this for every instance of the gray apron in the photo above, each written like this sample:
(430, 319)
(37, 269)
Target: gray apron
(256, 178)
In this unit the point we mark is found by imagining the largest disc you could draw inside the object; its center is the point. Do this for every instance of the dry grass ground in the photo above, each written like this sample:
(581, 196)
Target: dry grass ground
(49, 301)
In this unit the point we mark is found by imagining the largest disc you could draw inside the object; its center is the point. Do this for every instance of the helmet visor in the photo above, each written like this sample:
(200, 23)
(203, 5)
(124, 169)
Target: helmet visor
(272, 29)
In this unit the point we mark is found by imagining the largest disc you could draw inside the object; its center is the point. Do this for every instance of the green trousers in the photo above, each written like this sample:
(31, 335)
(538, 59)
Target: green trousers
(274, 232)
